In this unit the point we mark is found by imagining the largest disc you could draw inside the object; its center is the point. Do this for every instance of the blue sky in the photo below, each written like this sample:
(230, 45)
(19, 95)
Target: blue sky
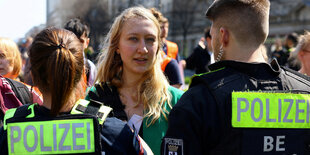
(19, 16)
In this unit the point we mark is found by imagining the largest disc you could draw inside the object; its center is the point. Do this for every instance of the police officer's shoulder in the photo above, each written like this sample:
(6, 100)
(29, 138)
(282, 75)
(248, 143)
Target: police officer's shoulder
(202, 78)
(297, 76)
(216, 78)
(19, 112)
(193, 99)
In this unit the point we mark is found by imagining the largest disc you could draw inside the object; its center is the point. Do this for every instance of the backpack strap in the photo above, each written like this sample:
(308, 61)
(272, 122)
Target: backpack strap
(92, 107)
(21, 91)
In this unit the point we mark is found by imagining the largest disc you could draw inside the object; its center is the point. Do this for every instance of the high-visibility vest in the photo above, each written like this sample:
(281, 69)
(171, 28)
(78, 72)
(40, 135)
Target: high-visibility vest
(172, 49)
(66, 134)
(165, 61)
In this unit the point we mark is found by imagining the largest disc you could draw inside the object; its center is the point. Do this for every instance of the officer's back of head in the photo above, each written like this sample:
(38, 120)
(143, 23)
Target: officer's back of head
(56, 57)
(246, 22)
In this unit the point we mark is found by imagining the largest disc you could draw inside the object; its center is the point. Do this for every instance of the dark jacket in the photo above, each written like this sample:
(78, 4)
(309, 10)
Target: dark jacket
(199, 60)
(202, 119)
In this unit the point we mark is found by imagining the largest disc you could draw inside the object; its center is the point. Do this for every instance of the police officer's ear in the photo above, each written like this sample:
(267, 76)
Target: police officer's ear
(224, 34)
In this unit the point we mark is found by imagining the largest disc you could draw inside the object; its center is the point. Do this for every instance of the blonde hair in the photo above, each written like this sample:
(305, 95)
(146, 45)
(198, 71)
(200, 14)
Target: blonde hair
(153, 91)
(303, 42)
(11, 52)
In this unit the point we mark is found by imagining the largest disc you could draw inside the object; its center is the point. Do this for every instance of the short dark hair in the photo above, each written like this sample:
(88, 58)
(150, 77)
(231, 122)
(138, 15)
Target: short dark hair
(207, 32)
(78, 27)
(246, 19)
(293, 37)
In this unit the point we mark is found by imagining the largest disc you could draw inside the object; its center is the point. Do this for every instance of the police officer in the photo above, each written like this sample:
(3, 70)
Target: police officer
(244, 105)
(63, 124)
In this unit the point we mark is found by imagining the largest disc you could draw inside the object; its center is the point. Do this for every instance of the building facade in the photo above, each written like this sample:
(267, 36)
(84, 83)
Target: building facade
(187, 18)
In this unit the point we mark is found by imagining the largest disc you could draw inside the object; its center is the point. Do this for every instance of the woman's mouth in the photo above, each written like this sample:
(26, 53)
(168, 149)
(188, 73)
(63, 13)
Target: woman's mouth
(140, 60)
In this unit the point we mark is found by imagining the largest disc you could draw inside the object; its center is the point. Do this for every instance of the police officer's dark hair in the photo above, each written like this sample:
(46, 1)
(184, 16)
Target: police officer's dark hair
(78, 27)
(248, 20)
(56, 58)
(207, 32)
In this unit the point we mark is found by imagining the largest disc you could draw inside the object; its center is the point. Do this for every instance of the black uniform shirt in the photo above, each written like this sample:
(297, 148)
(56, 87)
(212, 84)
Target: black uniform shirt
(201, 121)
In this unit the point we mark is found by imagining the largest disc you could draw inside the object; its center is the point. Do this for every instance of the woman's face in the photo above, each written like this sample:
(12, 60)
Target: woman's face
(138, 45)
(6, 66)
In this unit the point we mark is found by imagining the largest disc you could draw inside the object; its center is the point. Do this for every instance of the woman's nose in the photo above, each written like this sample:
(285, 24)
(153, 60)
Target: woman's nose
(142, 47)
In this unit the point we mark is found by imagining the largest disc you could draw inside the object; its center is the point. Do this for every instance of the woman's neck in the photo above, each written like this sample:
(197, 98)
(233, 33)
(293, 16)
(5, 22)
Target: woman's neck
(131, 80)
(129, 94)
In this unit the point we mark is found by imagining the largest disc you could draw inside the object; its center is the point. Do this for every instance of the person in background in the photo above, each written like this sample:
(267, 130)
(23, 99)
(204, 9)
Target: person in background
(278, 52)
(81, 30)
(239, 106)
(290, 43)
(66, 124)
(130, 80)
(301, 56)
(11, 61)
(169, 63)
(11, 66)
(24, 48)
(202, 56)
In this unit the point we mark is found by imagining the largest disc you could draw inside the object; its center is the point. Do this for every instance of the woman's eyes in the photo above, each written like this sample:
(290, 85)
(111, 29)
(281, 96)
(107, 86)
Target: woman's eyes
(133, 38)
(149, 40)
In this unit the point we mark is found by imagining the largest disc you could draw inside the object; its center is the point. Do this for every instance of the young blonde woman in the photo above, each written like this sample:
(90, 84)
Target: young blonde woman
(130, 79)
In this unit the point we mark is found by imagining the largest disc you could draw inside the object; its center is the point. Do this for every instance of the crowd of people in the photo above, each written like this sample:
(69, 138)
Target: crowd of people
(54, 100)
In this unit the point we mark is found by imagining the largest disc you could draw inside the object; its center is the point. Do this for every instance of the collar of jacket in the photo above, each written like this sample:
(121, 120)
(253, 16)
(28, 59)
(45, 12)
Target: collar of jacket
(255, 69)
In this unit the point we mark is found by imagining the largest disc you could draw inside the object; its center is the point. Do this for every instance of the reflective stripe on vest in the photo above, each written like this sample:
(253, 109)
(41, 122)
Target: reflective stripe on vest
(104, 110)
(270, 110)
(10, 113)
(172, 49)
(51, 137)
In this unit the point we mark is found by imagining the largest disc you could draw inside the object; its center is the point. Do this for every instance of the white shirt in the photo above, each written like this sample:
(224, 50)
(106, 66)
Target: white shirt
(135, 122)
